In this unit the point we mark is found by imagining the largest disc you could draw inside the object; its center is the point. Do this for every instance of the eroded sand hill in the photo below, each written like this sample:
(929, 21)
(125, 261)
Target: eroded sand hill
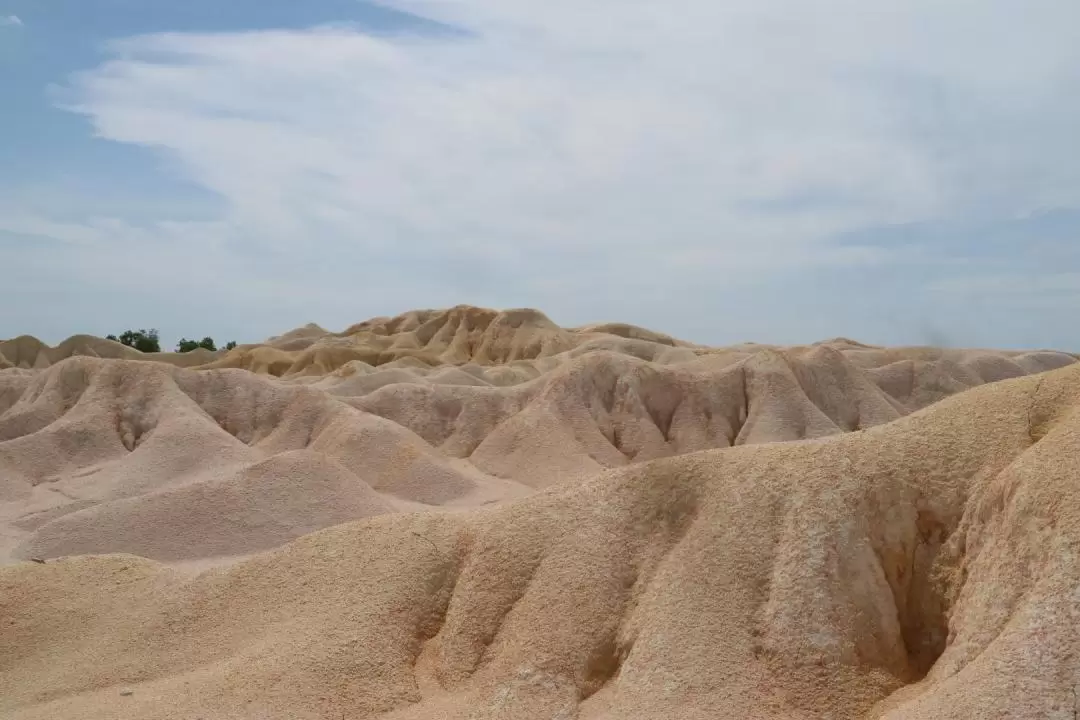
(552, 524)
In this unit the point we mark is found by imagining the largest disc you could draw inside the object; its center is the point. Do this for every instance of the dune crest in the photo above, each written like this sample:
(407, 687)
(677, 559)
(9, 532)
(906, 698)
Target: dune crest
(614, 524)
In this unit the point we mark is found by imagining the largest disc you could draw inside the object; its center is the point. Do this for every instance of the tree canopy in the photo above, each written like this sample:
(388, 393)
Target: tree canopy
(142, 340)
(186, 345)
(147, 341)
(206, 343)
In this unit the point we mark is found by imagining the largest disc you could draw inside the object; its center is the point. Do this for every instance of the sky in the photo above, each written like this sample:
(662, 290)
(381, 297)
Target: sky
(897, 172)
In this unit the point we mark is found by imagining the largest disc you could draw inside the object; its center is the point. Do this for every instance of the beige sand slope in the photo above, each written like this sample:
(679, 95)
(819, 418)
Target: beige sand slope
(187, 464)
(624, 565)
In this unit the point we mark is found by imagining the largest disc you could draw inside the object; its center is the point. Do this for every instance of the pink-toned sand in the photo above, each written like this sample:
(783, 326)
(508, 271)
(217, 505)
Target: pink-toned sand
(471, 514)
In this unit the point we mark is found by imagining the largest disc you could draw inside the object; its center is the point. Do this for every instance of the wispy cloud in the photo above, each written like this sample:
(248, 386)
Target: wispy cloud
(577, 152)
(1022, 287)
(11, 20)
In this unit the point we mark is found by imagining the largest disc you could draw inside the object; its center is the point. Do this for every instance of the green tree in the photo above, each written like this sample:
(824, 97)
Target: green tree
(186, 345)
(230, 345)
(142, 340)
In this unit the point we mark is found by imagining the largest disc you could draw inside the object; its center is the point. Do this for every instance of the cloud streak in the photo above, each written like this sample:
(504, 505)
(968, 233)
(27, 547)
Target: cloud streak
(563, 155)
(11, 20)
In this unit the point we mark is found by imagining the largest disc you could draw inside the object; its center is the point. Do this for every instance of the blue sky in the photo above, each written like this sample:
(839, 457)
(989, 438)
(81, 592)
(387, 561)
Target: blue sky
(904, 171)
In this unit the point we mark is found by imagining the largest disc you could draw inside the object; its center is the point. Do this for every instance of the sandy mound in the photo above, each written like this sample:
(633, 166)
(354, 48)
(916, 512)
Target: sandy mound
(436, 409)
(28, 352)
(233, 512)
(101, 456)
(429, 338)
(613, 524)
(926, 568)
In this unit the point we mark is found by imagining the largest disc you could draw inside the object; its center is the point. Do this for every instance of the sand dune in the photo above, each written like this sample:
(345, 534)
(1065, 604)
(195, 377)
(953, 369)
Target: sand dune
(600, 522)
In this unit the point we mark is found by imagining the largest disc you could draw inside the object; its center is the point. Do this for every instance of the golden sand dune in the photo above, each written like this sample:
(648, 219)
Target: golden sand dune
(589, 546)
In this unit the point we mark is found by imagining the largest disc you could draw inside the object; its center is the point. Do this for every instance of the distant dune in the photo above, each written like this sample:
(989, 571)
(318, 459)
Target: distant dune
(476, 514)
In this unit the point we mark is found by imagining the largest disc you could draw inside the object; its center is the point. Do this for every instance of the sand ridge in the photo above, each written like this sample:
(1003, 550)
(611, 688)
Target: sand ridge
(600, 522)
(113, 455)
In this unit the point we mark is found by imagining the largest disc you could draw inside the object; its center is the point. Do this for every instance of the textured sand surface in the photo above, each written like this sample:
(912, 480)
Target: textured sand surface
(550, 523)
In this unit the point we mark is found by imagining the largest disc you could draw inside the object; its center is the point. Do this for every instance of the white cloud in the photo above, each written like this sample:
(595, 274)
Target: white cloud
(608, 145)
(12, 20)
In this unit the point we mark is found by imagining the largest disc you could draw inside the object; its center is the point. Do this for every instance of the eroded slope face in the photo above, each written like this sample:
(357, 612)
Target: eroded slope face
(924, 568)
(450, 410)
(620, 530)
